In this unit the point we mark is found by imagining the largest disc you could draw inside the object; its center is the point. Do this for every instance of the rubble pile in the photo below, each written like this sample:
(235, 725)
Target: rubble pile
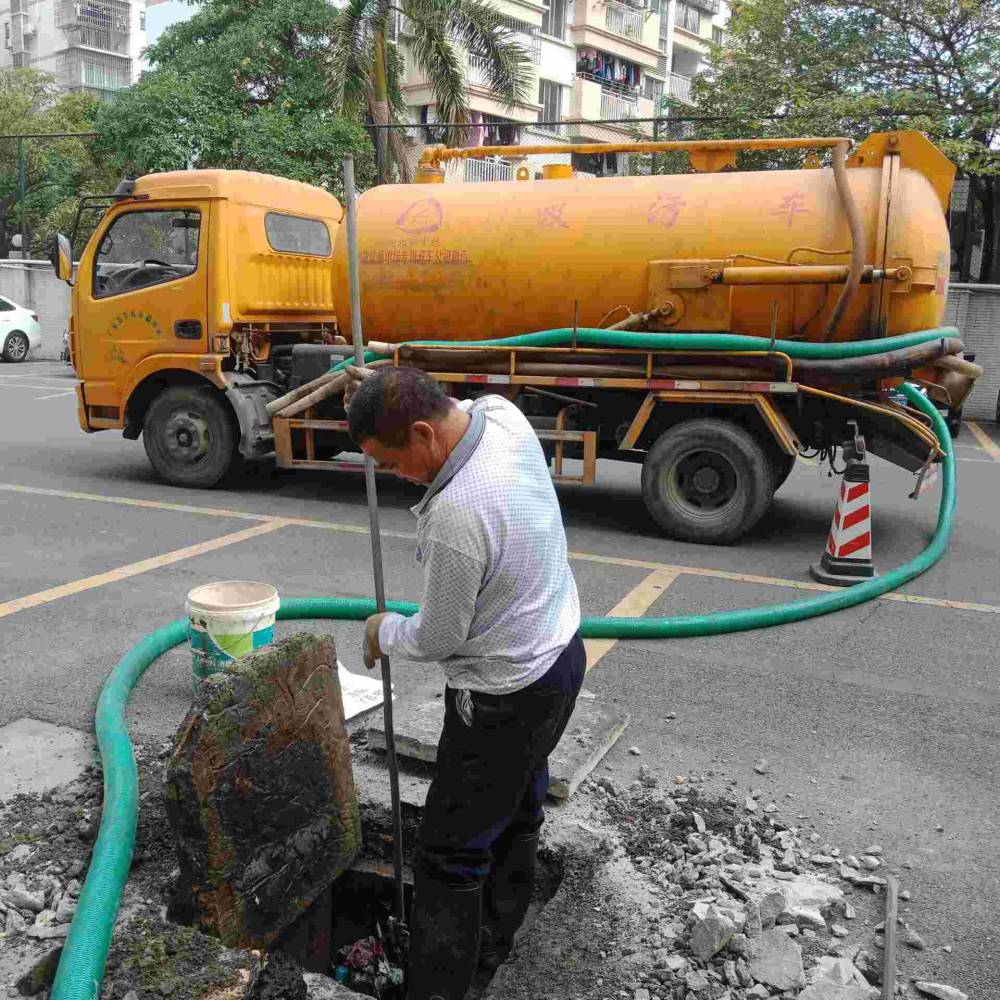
(752, 907)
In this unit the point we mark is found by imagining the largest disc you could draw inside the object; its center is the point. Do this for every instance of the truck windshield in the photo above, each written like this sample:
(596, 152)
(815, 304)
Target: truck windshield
(145, 248)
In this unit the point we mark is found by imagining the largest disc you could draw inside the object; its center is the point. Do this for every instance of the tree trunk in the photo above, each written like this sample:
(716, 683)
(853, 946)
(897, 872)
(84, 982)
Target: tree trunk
(381, 110)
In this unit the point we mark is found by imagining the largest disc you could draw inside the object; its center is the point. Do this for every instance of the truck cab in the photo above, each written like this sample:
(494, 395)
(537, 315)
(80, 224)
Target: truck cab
(188, 301)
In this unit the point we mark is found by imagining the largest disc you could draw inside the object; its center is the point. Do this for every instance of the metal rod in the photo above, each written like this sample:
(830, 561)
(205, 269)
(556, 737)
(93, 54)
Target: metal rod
(435, 155)
(353, 267)
(21, 185)
(889, 938)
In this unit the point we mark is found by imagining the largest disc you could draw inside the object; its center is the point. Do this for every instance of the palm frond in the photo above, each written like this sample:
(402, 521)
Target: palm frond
(439, 59)
(351, 59)
(481, 28)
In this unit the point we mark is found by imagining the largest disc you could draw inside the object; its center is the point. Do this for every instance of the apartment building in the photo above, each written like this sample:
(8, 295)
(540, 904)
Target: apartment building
(590, 60)
(91, 45)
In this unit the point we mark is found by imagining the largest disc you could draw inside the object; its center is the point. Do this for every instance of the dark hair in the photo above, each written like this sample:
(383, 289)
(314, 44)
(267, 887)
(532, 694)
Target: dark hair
(388, 403)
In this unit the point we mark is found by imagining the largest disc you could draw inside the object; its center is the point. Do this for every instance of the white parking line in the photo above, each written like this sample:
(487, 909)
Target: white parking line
(28, 385)
(56, 395)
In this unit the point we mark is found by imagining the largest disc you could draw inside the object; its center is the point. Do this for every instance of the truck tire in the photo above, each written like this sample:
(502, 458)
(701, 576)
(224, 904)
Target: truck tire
(189, 436)
(15, 348)
(782, 468)
(707, 481)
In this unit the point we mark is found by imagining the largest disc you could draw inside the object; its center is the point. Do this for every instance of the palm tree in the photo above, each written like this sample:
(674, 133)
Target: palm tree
(366, 68)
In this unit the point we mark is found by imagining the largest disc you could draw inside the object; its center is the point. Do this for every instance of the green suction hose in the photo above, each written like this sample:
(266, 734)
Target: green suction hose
(589, 336)
(81, 968)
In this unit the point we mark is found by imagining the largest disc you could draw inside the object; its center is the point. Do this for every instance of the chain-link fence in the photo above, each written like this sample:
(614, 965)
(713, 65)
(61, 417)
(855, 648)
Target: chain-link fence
(506, 166)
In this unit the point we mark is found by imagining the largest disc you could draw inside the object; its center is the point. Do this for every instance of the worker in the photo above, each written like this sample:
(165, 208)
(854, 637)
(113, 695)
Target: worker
(501, 614)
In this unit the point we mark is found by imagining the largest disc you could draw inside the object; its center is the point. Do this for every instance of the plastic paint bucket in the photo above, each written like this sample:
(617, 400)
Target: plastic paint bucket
(226, 621)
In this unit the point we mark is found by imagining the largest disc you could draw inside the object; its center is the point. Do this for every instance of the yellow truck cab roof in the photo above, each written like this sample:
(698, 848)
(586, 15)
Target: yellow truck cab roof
(242, 186)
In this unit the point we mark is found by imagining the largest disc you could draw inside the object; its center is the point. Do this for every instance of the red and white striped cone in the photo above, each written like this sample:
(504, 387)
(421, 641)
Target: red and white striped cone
(848, 556)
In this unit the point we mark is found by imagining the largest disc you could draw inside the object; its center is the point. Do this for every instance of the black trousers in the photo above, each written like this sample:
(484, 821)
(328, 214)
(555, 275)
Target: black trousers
(493, 770)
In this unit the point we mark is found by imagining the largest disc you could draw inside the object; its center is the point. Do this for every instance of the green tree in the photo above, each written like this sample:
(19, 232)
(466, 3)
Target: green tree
(55, 170)
(853, 67)
(242, 84)
(366, 68)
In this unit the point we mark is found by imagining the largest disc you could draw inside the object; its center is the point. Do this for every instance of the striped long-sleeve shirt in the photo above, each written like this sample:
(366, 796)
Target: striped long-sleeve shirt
(500, 602)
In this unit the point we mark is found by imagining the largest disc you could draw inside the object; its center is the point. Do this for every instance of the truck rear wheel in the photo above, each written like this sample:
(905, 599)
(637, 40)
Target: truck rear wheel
(707, 481)
(189, 437)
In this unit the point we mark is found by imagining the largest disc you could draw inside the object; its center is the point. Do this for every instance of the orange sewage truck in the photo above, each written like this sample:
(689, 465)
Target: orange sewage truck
(205, 299)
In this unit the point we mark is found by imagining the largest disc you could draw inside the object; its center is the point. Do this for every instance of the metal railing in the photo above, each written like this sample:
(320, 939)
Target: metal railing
(618, 105)
(488, 169)
(624, 20)
(680, 87)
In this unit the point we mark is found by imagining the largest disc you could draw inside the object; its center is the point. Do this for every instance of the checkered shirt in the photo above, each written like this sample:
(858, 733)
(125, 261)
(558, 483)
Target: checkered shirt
(500, 602)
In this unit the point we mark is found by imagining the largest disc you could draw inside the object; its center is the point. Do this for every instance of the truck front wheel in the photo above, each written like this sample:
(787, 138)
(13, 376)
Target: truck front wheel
(189, 437)
(707, 481)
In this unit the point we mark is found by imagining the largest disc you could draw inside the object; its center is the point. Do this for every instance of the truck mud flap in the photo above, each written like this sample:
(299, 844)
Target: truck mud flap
(249, 399)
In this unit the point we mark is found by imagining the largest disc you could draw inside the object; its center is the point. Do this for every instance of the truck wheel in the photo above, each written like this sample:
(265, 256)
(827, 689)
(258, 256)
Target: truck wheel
(15, 348)
(707, 481)
(189, 437)
(782, 466)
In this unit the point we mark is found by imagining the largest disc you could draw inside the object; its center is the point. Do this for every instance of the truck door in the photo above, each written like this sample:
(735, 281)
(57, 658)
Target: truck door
(142, 293)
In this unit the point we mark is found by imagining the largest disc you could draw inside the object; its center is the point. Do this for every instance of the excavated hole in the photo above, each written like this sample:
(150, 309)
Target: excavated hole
(362, 902)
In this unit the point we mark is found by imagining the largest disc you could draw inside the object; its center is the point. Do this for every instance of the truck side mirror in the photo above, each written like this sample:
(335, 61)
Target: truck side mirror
(62, 258)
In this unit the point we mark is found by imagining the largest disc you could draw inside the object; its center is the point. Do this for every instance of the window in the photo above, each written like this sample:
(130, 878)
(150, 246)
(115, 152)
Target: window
(652, 88)
(146, 248)
(292, 234)
(689, 18)
(142, 20)
(717, 34)
(6, 306)
(550, 98)
(6, 34)
(554, 19)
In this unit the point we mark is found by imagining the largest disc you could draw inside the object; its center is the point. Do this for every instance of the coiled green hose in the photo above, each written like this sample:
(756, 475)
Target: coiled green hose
(592, 337)
(81, 968)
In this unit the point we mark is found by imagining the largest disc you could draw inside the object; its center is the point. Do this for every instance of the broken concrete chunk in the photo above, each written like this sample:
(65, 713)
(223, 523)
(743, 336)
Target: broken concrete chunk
(710, 935)
(940, 991)
(696, 981)
(775, 959)
(20, 898)
(260, 792)
(771, 907)
(838, 970)
(825, 990)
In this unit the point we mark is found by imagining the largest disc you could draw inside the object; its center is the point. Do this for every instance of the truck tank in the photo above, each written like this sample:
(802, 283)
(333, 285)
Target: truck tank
(472, 261)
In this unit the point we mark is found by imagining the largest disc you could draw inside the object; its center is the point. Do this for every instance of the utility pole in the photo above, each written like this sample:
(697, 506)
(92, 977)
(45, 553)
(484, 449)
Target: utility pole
(21, 194)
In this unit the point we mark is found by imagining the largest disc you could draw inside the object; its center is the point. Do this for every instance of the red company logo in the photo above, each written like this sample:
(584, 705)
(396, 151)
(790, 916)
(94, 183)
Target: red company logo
(422, 217)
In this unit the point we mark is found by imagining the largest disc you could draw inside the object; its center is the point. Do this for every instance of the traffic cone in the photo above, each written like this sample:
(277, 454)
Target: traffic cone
(848, 556)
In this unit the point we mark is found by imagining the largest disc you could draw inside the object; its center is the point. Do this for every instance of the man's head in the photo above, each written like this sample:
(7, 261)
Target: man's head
(404, 420)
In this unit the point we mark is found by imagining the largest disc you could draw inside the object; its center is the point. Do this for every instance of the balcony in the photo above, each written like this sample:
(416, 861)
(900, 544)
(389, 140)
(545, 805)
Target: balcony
(616, 104)
(618, 28)
(680, 87)
(624, 20)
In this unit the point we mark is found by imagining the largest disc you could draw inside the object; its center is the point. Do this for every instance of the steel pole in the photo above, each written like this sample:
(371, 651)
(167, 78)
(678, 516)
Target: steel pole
(353, 270)
(21, 196)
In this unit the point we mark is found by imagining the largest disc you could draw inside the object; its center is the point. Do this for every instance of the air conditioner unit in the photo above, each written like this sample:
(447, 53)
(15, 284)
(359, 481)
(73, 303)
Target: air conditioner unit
(30, 28)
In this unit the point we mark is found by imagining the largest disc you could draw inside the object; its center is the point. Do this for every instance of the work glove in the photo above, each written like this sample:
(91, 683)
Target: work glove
(355, 376)
(372, 650)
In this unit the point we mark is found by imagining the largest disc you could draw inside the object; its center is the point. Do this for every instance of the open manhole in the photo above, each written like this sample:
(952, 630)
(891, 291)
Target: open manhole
(349, 932)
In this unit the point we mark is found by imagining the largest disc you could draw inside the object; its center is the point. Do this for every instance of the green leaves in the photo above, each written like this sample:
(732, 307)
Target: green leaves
(243, 84)
(857, 66)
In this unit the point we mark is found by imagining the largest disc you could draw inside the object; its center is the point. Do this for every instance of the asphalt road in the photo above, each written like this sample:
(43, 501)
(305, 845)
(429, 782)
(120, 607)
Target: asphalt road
(879, 724)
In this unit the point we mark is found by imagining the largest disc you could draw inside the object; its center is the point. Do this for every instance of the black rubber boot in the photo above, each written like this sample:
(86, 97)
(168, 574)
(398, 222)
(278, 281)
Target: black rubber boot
(444, 938)
(507, 895)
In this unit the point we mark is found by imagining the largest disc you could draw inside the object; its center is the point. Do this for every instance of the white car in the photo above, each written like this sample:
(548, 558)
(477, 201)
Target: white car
(20, 333)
